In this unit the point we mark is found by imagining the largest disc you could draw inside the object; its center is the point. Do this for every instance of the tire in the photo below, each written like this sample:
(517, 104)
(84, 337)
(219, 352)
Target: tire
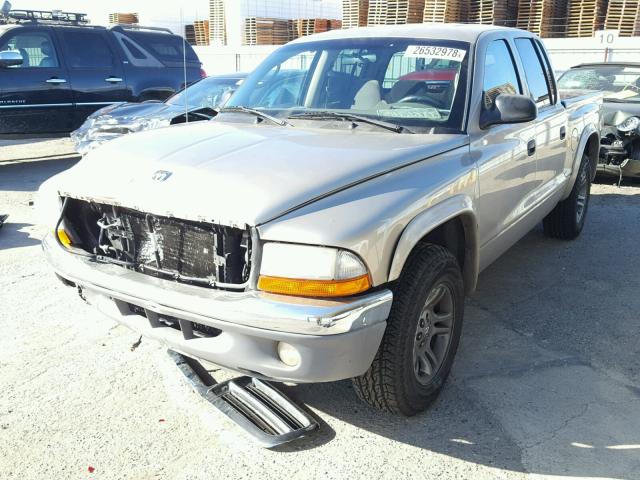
(398, 380)
(566, 220)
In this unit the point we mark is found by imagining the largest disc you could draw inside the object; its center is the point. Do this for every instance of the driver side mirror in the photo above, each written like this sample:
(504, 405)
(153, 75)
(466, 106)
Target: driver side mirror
(10, 58)
(509, 108)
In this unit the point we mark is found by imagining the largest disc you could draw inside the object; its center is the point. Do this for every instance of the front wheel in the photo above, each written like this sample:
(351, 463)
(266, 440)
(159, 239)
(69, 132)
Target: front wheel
(422, 335)
(566, 220)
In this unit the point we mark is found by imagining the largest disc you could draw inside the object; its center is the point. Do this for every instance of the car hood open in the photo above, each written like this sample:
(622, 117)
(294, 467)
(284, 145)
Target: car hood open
(239, 174)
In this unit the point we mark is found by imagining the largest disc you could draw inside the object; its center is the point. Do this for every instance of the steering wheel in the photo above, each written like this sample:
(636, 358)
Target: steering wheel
(422, 100)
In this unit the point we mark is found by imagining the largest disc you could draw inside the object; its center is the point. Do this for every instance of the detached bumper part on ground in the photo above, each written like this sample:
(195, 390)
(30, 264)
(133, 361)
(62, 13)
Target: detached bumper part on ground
(263, 412)
(237, 330)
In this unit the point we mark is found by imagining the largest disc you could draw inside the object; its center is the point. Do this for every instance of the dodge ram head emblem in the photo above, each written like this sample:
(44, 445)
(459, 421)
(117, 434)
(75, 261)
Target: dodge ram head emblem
(161, 175)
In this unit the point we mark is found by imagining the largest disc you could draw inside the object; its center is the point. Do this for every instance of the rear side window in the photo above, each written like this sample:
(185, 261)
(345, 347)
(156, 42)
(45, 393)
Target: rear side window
(533, 71)
(135, 51)
(548, 71)
(499, 72)
(36, 48)
(165, 47)
(87, 49)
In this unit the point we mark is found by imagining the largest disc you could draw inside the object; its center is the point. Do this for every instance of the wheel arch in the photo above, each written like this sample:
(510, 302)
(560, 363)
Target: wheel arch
(590, 144)
(451, 224)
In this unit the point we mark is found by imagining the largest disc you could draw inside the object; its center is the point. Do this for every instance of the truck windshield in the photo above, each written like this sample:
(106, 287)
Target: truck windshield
(418, 84)
(618, 82)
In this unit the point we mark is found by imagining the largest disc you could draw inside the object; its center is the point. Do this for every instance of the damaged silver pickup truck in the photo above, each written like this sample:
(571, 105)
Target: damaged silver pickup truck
(329, 221)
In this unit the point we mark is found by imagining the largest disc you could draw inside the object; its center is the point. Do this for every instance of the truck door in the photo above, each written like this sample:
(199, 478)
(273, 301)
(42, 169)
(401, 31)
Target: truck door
(505, 153)
(551, 125)
(97, 76)
(35, 97)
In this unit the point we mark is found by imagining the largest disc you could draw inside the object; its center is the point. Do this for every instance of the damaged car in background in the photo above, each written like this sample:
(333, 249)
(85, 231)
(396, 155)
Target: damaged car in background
(620, 133)
(327, 223)
(200, 101)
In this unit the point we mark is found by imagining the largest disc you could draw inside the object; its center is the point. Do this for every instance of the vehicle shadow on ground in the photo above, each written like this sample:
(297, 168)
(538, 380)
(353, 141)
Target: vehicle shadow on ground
(546, 380)
(27, 176)
(13, 236)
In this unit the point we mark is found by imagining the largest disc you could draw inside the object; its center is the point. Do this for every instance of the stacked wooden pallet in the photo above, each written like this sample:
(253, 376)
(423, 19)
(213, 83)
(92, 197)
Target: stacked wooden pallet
(543, 17)
(309, 26)
(624, 16)
(444, 11)
(493, 12)
(201, 32)
(190, 34)
(126, 18)
(268, 31)
(354, 13)
(585, 17)
(217, 23)
(405, 11)
(378, 10)
(395, 12)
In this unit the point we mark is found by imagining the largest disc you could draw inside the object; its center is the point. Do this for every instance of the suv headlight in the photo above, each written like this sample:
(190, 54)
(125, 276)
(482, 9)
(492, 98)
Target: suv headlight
(140, 124)
(310, 271)
(629, 124)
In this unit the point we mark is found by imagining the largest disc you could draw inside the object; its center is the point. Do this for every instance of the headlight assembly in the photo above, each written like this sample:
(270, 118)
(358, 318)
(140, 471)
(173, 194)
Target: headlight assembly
(311, 271)
(630, 124)
(147, 124)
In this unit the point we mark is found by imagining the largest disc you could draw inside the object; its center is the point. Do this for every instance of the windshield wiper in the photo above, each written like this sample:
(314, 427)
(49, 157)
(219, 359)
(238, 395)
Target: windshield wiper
(257, 113)
(353, 117)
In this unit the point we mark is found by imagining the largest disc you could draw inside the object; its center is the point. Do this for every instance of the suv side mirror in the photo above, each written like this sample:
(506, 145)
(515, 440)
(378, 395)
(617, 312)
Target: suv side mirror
(509, 108)
(10, 58)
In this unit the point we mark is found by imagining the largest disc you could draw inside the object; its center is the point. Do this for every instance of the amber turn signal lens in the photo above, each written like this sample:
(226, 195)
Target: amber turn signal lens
(314, 288)
(64, 238)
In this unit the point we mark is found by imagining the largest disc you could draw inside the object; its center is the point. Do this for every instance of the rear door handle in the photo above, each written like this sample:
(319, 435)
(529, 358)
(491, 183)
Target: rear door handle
(113, 79)
(531, 147)
(56, 81)
(563, 133)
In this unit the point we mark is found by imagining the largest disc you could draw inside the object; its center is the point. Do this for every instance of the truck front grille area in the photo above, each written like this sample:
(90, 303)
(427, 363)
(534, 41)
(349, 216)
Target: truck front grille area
(190, 252)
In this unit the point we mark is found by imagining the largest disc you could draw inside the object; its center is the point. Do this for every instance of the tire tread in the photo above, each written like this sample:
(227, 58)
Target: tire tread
(378, 386)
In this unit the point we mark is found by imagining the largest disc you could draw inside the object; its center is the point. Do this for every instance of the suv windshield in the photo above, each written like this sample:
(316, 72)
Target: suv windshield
(419, 84)
(207, 93)
(618, 82)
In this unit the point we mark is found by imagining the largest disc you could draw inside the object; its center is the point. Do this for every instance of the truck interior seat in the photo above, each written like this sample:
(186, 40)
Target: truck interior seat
(368, 97)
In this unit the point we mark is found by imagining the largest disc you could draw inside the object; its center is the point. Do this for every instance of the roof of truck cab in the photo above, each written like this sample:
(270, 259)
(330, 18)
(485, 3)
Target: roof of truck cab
(447, 31)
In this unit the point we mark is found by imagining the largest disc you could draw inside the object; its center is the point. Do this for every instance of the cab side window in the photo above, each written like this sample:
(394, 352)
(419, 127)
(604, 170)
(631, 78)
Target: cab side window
(500, 75)
(86, 49)
(36, 48)
(533, 71)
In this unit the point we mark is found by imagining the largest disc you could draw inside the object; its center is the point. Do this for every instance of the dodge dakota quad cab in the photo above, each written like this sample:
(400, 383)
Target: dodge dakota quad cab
(327, 224)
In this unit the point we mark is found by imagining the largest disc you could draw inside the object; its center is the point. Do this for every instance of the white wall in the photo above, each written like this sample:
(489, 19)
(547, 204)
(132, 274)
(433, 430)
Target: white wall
(567, 52)
(564, 52)
(227, 59)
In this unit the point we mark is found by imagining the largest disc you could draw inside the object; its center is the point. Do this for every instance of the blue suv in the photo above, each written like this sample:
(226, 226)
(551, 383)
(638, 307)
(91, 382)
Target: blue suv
(56, 69)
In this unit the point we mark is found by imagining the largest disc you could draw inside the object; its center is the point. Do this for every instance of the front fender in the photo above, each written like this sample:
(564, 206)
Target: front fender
(427, 221)
(589, 141)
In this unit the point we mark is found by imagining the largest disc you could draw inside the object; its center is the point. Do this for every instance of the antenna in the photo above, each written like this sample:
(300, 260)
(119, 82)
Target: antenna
(184, 67)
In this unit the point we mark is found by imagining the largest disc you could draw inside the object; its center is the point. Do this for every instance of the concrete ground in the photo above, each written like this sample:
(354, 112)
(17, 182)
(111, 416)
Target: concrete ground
(546, 383)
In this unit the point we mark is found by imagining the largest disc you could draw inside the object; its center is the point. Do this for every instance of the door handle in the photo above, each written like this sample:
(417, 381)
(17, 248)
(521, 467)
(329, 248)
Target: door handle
(113, 79)
(563, 133)
(56, 81)
(531, 147)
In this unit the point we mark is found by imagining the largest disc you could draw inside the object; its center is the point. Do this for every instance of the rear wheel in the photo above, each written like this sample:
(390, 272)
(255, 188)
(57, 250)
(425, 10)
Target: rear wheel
(422, 336)
(566, 220)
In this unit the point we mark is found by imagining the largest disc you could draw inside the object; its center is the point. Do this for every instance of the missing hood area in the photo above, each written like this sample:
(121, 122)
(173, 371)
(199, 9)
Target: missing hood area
(196, 253)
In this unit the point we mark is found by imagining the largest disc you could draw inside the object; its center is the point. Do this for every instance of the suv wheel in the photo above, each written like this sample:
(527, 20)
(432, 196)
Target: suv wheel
(422, 335)
(566, 220)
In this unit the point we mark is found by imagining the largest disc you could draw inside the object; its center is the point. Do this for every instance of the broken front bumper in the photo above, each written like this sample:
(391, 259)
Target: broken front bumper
(335, 339)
